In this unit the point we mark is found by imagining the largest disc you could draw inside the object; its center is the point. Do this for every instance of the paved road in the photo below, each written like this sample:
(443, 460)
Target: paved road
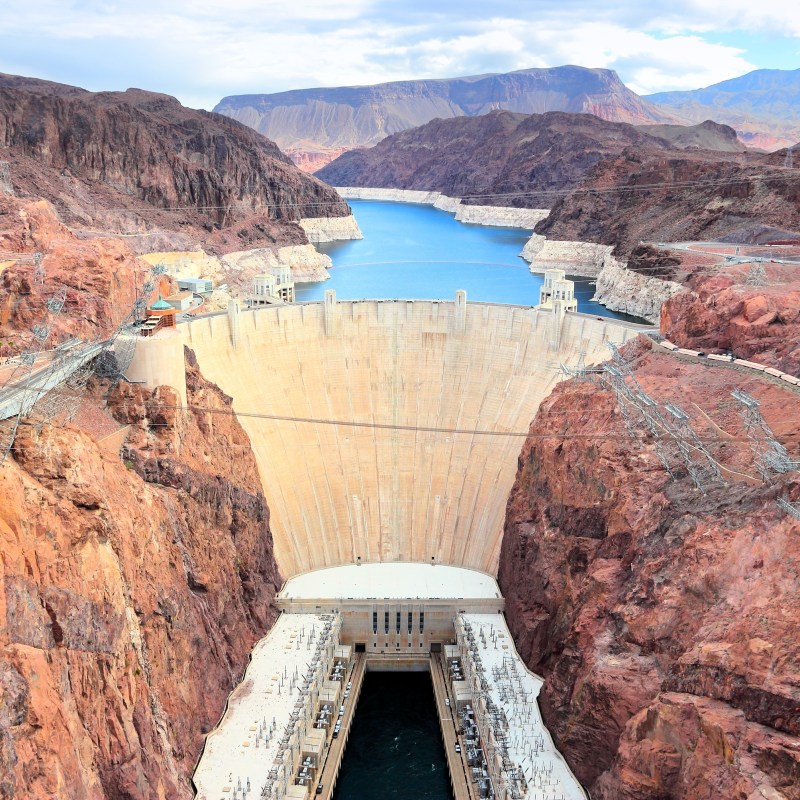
(27, 389)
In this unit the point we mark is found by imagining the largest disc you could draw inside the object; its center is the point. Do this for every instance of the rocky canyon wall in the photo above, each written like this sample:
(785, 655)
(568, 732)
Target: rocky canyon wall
(131, 593)
(639, 294)
(140, 163)
(665, 622)
(620, 285)
(720, 311)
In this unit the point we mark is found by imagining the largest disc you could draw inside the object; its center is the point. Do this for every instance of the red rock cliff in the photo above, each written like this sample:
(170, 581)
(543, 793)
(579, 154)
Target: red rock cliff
(720, 312)
(665, 622)
(131, 593)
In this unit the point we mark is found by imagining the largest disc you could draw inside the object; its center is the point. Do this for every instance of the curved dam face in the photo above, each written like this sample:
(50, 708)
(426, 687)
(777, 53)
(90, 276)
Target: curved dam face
(417, 478)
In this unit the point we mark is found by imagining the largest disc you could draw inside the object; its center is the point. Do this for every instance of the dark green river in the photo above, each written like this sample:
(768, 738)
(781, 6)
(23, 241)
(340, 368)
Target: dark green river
(395, 750)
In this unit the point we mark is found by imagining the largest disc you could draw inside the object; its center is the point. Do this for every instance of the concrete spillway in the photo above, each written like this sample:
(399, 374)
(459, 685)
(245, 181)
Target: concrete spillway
(340, 493)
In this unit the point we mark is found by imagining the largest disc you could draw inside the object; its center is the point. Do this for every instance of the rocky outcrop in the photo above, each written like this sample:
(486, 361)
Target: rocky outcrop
(6, 187)
(496, 216)
(396, 196)
(138, 162)
(310, 123)
(707, 135)
(501, 216)
(99, 277)
(720, 312)
(665, 622)
(131, 593)
(331, 229)
(639, 293)
(661, 197)
(307, 264)
(576, 258)
(762, 106)
(630, 292)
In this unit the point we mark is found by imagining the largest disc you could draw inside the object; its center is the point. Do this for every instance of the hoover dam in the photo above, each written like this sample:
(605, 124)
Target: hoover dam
(387, 435)
(385, 430)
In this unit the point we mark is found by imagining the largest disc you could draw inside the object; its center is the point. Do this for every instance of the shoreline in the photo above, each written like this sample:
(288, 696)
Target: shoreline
(618, 288)
(493, 216)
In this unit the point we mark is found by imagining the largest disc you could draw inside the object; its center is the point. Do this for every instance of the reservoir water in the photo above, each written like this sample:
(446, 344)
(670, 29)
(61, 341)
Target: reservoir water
(395, 749)
(418, 252)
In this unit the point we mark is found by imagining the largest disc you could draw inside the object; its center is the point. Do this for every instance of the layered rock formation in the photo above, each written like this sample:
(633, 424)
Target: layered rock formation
(138, 162)
(316, 125)
(330, 229)
(632, 292)
(497, 216)
(677, 197)
(306, 263)
(665, 622)
(130, 596)
(577, 258)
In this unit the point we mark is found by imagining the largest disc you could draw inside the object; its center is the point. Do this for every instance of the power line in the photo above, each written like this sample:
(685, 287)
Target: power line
(646, 187)
(411, 428)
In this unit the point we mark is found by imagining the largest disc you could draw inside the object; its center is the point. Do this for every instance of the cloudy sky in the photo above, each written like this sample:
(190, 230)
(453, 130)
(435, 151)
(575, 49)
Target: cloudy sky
(202, 50)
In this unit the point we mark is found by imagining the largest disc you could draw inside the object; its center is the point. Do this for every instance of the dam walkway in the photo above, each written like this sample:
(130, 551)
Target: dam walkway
(463, 788)
(333, 758)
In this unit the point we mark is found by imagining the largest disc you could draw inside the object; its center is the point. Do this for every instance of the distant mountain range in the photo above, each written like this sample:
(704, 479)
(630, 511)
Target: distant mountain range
(763, 106)
(315, 125)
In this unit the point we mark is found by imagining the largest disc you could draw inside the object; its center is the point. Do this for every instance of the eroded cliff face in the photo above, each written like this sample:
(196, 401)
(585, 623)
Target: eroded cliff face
(139, 162)
(665, 622)
(719, 196)
(720, 312)
(99, 276)
(130, 596)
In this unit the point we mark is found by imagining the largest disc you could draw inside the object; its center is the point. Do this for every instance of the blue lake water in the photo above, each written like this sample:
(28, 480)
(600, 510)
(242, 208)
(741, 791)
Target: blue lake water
(418, 252)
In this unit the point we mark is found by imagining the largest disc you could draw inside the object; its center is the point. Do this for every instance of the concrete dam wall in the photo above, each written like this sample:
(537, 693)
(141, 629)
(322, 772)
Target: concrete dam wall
(390, 488)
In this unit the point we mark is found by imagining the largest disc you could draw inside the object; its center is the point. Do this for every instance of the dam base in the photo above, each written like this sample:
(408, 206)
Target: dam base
(287, 723)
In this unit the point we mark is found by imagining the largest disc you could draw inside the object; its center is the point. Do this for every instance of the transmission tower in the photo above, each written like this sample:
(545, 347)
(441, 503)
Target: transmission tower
(790, 508)
(579, 371)
(22, 382)
(676, 442)
(38, 268)
(787, 163)
(702, 468)
(769, 455)
(117, 357)
(61, 403)
(635, 404)
(757, 275)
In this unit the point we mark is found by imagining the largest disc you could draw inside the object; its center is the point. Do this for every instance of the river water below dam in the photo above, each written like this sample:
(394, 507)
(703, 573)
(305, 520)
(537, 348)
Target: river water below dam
(395, 750)
(419, 252)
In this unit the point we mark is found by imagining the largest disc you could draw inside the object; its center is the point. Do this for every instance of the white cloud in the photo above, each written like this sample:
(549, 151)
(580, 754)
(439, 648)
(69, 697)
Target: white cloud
(775, 16)
(205, 49)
